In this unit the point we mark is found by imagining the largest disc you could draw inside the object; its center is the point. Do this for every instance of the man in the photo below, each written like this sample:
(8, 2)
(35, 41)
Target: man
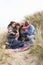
(29, 32)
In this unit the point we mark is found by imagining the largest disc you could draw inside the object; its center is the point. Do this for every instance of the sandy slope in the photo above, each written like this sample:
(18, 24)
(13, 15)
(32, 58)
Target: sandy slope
(18, 58)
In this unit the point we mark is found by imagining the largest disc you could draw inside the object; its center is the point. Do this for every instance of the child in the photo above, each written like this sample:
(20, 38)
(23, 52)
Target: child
(11, 34)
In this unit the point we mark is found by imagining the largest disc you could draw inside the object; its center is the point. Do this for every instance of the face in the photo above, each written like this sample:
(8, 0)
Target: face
(14, 24)
(10, 28)
(23, 23)
(18, 27)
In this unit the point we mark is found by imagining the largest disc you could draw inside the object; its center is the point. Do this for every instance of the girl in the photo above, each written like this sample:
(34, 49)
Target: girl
(16, 42)
(18, 31)
(11, 31)
(11, 34)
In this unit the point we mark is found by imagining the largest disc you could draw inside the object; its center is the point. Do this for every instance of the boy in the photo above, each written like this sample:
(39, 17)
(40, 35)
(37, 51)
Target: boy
(10, 36)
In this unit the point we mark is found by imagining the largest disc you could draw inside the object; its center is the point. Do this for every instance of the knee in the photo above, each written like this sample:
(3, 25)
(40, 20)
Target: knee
(32, 41)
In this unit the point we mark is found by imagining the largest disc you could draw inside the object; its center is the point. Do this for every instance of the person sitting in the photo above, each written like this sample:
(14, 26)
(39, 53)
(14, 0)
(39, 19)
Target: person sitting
(10, 36)
(11, 33)
(24, 29)
(29, 32)
(14, 43)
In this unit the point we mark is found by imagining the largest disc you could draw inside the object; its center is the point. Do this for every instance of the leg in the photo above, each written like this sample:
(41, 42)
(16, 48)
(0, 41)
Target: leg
(30, 37)
(32, 41)
(16, 44)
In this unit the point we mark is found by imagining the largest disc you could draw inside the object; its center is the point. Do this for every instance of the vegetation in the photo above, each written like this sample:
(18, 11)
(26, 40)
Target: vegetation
(37, 21)
(35, 51)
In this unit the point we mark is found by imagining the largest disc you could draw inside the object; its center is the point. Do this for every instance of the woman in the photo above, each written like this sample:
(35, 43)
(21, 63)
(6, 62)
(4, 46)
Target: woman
(11, 33)
(18, 31)
(29, 33)
(24, 29)
(14, 43)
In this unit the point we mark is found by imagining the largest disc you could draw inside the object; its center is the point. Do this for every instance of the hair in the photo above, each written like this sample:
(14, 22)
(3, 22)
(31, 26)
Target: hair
(26, 23)
(8, 25)
(17, 24)
(12, 22)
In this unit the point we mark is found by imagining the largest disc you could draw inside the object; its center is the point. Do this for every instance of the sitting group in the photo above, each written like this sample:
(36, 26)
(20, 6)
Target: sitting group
(20, 35)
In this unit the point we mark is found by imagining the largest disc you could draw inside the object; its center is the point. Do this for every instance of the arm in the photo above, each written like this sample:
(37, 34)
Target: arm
(11, 32)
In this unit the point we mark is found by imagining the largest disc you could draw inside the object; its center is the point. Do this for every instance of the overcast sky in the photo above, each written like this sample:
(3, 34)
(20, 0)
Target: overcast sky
(16, 9)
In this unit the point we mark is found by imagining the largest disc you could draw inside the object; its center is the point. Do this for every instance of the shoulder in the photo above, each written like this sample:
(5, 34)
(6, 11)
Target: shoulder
(31, 26)
(9, 31)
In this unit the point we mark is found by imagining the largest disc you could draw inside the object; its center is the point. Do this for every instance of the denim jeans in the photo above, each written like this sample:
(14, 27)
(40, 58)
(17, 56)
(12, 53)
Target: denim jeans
(31, 38)
(16, 44)
(24, 34)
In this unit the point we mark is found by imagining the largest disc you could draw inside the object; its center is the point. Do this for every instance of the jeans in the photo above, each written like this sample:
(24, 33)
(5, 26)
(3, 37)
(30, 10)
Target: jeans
(24, 34)
(16, 44)
(31, 39)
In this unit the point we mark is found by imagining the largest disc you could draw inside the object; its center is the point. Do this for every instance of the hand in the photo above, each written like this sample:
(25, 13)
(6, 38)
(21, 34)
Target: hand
(7, 43)
(17, 34)
(26, 30)
(13, 33)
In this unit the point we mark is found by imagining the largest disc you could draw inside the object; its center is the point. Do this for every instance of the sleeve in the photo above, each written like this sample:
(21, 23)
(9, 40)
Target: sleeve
(32, 30)
(9, 31)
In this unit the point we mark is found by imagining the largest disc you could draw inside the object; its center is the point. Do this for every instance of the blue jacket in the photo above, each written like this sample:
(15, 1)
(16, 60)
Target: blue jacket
(32, 30)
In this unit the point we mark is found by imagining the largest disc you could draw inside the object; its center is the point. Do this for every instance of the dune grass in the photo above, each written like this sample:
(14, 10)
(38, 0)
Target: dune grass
(37, 49)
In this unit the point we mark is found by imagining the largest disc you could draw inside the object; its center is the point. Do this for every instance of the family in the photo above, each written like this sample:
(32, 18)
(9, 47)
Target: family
(19, 36)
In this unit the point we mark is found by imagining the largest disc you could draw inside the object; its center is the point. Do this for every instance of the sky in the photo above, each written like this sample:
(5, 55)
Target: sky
(15, 10)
